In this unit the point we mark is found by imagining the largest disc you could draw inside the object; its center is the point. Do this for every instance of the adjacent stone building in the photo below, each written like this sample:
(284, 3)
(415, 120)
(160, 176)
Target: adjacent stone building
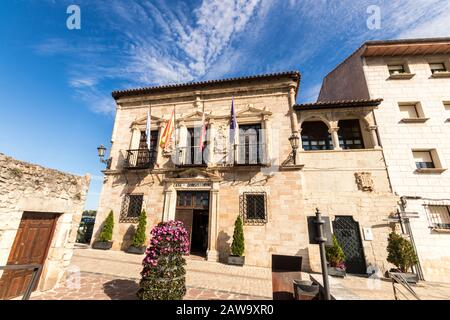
(256, 175)
(40, 210)
(412, 77)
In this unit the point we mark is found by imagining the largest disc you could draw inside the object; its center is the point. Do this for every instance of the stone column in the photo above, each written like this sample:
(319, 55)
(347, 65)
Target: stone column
(212, 254)
(373, 133)
(293, 114)
(335, 137)
(170, 201)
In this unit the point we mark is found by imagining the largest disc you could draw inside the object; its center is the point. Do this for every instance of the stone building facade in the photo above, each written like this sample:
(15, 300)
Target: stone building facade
(413, 79)
(40, 210)
(256, 175)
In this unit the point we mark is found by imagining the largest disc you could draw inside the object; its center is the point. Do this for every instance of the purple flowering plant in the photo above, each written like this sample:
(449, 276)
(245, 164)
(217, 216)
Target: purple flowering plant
(163, 275)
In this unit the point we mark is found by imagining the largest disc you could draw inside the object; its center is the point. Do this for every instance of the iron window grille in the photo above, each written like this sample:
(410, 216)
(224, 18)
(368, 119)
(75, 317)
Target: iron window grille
(438, 216)
(131, 208)
(254, 208)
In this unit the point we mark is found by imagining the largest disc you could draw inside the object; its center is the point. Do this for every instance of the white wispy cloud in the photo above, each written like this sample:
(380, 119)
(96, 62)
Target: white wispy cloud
(156, 43)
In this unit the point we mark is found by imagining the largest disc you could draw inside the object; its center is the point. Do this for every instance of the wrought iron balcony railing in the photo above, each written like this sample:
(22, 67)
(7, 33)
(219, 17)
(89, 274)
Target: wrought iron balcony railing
(141, 158)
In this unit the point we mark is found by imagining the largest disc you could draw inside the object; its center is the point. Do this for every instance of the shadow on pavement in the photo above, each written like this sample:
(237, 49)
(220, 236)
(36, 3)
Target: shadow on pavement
(121, 289)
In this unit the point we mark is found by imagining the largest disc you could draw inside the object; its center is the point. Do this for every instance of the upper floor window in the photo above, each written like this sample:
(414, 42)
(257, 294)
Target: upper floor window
(145, 156)
(315, 136)
(438, 67)
(439, 216)
(396, 69)
(412, 112)
(423, 160)
(350, 136)
(131, 207)
(251, 147)
(195, 154)
(447, 110)
(409, 111)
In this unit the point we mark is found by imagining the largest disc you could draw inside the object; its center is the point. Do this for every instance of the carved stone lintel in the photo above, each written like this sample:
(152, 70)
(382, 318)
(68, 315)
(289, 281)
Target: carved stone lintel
(364, 181)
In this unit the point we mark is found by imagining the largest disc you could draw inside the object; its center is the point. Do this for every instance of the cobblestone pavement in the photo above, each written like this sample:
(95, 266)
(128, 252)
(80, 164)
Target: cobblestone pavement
(92, 286)
(115, 275)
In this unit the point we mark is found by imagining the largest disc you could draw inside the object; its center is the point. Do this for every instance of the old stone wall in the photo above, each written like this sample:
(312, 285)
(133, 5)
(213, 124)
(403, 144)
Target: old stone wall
(26, 187)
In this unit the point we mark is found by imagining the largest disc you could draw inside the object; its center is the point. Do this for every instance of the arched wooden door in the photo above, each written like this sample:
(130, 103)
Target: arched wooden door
(347, 233)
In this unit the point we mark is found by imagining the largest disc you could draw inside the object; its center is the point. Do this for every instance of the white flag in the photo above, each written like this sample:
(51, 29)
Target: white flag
(148, 129)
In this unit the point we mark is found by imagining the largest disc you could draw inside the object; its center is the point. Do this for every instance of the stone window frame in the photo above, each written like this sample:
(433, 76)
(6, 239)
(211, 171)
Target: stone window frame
(438, 166)
(125, 210)
(418, 108)
(243, 208)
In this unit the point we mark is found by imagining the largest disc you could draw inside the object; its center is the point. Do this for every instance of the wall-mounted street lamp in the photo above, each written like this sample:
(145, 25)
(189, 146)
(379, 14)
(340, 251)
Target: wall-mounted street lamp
(101, 154)
(294, 140)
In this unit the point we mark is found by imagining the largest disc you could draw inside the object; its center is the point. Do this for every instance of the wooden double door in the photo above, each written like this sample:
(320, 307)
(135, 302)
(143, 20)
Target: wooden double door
(193, 211)
(30, 246)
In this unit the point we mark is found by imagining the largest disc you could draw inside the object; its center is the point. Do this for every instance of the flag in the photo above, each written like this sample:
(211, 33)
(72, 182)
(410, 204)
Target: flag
(233, 123)
(168, 131)
(148, 128)
(203, 132)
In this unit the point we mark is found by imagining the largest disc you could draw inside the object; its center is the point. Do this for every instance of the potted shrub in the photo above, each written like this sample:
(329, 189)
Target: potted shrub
(335, 258)
(163, 275)
(237, 246)
(401, 254)
(137, 246)
(104, 241)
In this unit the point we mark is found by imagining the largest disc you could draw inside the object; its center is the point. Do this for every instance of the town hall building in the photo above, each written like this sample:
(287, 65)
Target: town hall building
(284, 161)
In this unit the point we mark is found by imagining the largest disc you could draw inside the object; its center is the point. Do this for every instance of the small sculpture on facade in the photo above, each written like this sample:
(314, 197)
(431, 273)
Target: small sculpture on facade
(364, 181)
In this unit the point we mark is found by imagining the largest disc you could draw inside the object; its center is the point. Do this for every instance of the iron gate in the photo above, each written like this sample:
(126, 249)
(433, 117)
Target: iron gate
(346, 230)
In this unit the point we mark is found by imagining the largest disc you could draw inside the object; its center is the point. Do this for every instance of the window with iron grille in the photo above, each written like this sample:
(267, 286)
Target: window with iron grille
(254, 207)
(131, 208)
(439, 217)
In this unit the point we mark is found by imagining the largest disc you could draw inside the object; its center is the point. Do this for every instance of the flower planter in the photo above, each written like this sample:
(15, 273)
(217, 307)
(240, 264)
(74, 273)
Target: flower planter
(236, 260)
(102, 245)
(136, 250)
(336, 272)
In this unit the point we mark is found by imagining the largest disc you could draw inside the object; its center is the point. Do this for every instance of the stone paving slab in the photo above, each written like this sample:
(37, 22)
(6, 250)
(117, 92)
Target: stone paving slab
(93, 286)
(246, 280)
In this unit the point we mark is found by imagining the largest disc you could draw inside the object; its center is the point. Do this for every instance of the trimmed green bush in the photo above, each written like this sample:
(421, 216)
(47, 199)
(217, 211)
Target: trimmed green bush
(139, 236)
(335, 254)
(401, 252)
(107, 230)
(238, 246)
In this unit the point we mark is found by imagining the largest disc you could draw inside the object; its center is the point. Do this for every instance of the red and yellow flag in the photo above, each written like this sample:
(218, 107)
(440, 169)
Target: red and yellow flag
(168, 131)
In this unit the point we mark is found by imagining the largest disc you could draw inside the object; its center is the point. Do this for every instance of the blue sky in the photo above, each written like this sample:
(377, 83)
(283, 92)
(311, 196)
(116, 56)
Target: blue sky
(55, 83)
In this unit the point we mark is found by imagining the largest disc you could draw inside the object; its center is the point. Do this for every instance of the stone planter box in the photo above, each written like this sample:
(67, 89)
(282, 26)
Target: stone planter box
(336, 272)
(136, 250)
(102, 245)
(236, 260)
